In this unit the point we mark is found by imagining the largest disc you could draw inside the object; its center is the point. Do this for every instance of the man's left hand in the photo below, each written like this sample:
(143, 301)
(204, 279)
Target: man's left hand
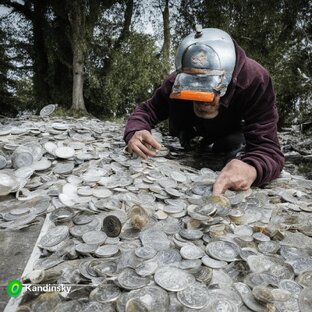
(236, 175)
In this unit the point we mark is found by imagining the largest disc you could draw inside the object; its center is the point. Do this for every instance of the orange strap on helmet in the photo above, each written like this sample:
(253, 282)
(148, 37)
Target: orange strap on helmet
(192, 95)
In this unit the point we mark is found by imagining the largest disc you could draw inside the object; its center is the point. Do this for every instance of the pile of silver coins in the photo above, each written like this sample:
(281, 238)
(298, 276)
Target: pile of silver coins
(133, 235)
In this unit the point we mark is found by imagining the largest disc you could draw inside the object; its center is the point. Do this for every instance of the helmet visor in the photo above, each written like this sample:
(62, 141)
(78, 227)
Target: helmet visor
(196, 87)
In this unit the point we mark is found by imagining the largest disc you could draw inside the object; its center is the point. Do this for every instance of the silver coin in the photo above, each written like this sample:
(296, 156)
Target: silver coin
(129, 279)
(222, 305)
(154, 238)
(213, 263)
(173, 279)
(86, 249)
(147, 268)
(3, 162)
(223, 250)
(290, 285)
(64, 152)
(21, 158)
(47, 110)
(305, 300)
(106, 251)
(145, 252)
(54, 236)
(193, 296)
(191, 252)
(94, 237)
(105, 293)
(305, 279)
(191, 234)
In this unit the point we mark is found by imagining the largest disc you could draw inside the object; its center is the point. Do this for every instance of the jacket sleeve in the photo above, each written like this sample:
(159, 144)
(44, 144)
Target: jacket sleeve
(147, 114)
(260, 114)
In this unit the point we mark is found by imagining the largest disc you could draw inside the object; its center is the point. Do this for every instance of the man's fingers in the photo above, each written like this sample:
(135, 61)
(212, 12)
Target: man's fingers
(149, 139)
(145, 150)
(221, 185)
(141, 150)
(218, 188)
(136, 150)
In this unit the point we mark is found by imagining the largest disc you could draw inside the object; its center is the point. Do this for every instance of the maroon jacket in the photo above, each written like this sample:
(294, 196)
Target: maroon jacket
(249, 97)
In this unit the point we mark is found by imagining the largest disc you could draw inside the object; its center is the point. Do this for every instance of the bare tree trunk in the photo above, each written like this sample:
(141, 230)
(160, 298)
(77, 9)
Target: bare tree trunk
(77, 19)
(166, 21)
(165, 50)
(78, 72)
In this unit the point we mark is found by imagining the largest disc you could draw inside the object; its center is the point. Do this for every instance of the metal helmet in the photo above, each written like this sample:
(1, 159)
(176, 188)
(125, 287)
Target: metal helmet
(205, 62)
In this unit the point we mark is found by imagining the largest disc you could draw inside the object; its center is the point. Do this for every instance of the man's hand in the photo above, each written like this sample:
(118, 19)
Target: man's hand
(143, 144)
(236, 175)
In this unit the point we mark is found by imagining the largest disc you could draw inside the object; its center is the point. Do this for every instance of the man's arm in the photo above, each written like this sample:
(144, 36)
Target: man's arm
(148, 114)
(263, 159)
(263, 150)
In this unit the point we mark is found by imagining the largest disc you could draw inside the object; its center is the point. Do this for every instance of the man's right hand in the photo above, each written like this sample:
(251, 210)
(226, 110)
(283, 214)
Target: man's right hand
(143, 144)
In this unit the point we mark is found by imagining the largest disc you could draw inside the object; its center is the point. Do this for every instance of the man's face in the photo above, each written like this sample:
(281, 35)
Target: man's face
(207, 110)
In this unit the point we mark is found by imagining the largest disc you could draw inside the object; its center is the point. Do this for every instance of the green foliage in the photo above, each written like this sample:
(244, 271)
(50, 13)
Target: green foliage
(123, 67)
(64, 112)
(133, 75)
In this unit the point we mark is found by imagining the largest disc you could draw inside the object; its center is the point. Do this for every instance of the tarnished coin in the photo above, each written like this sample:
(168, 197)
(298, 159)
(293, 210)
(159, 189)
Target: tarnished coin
(94, 237)
(129, 279)
(223, 250)
(47, 110)
(105, 293)
(173, 279)
(193, 296)
(112, 226)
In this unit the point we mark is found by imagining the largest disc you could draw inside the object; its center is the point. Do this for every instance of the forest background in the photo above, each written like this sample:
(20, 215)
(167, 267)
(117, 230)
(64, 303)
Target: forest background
(104, 56)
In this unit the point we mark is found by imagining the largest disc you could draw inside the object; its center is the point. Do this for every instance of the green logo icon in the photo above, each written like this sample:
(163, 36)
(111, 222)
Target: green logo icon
(14, 288)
